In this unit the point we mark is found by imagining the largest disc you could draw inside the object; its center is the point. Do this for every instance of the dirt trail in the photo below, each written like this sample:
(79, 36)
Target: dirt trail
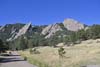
(15, 61)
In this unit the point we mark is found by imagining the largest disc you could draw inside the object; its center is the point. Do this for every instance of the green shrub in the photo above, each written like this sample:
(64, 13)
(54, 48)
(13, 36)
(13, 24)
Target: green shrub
(61, 52)
(31, 51)
(34, 51)
(25, 58)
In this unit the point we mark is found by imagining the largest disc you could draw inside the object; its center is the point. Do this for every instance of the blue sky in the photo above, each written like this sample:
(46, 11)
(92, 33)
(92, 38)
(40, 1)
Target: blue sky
(41, 12)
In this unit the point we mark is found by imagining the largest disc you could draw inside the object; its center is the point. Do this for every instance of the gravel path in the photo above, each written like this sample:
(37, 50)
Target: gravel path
(15, 61)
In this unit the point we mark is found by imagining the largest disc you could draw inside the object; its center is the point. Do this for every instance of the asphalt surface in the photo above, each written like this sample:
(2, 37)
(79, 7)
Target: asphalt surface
(15, 60)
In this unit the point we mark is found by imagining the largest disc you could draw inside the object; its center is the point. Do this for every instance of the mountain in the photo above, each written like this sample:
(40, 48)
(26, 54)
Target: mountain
(50, 30)
(25, 29)
(73, 25)
(10, 32)
(67, 25)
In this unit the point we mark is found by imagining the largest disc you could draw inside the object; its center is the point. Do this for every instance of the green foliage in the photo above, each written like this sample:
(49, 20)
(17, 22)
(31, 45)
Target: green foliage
(34, 51)
(92, 32)
(95, 31)
(1, 43)
(5, 33)
(35, 39)
(61, 52)
(21, 43)
(30, 43)
(31, 51)
(3, 46)
(25, 58)
(74, 37)
(58, 37)
(24, 42)
(67, 40)
(53, 41)
(82, 34)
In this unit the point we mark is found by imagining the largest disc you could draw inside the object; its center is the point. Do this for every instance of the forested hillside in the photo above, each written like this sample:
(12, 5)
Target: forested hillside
(45, 35)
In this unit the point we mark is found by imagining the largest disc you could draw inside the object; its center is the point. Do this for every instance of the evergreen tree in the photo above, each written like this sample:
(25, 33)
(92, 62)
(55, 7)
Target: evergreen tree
(21, 43)
(2, 46)
(95, 31)
(82, 34)
(74, 37)
(30, 43)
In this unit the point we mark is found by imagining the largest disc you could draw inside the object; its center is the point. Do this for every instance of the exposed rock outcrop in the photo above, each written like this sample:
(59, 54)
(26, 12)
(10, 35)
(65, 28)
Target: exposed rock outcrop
(50, 30)
(1, 28)
(23, 30)
(73, 25)
(68, 25)
(15, 34)
(10, 32)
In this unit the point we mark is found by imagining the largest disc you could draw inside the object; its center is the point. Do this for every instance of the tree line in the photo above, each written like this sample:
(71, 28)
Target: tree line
(67, 37)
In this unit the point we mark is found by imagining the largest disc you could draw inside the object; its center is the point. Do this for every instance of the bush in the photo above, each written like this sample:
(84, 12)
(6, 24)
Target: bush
(25, 58)
(34, 51)
(61, 52)
(31, 51)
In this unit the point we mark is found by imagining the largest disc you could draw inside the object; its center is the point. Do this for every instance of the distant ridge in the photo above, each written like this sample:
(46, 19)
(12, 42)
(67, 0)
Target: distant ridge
(50, 30)
(69, 24)
(10, 32)
(23, 30)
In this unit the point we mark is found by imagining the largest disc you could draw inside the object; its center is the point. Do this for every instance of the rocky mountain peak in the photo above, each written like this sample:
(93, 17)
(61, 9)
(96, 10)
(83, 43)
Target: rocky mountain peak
(10, 32)
(23, 30)
(15, 33)
(50, 30)
(72, 25)
(1, 28)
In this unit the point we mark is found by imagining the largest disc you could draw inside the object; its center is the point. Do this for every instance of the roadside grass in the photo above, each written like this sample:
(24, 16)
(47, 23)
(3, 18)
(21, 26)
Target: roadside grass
(33, 60)
(76, 56)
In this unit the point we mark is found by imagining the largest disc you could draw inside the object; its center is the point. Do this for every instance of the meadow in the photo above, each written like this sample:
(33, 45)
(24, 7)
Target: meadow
(86, 53)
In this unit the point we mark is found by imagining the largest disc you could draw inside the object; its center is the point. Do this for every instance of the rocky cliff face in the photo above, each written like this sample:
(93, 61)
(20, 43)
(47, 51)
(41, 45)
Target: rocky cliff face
(9, 30)
(50, 30)
(25, 29)
(72, 25)
(13, 31)
(67, 25)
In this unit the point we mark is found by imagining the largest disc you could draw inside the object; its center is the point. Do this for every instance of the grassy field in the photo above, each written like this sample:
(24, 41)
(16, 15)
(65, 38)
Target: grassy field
(86, 53)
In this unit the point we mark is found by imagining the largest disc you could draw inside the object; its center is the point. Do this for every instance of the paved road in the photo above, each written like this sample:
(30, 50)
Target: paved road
(15, 61)
(92, 66)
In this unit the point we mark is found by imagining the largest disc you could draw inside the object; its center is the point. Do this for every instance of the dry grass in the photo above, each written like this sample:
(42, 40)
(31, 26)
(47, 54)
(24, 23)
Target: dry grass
(76, 56)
